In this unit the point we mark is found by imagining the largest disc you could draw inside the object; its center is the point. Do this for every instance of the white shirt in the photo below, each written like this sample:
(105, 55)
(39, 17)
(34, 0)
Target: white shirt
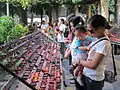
(62, 27)
(60, 38)
(102, 47)
(72, 48)
(45, 26)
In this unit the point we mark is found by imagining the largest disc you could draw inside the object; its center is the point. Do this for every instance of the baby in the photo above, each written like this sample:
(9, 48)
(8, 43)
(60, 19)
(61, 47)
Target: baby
(79, 51)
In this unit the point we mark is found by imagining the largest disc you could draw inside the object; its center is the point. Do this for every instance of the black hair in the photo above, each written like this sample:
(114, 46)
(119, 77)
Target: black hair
(69, 17)
(76, 20)
(43, 20)
(98, 21)
(56, 22)
(33, 24)
(63, 21)
(81, 28)
(51, 25)
(108, 26)
(57, 29)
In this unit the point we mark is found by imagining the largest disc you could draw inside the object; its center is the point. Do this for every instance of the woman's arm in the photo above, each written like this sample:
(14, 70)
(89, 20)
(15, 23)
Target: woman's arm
(67, 41)
(92, 64)
(83, 48)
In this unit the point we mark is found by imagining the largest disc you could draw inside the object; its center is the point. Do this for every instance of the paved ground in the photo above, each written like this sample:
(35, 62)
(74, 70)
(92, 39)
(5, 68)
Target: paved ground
(107, 86)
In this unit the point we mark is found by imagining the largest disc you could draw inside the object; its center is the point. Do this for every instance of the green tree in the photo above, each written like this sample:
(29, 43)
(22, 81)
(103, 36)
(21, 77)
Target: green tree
(36, 6)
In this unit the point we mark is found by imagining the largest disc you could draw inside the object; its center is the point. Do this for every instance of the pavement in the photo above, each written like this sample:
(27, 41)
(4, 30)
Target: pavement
(107, 86)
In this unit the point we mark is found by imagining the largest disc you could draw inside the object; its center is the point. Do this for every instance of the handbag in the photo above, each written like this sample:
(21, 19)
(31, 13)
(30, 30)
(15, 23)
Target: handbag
(109, 75)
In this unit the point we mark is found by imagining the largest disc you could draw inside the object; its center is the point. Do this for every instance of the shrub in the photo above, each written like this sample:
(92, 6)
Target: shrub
(18, 31)
(8, 30)
(7, 22)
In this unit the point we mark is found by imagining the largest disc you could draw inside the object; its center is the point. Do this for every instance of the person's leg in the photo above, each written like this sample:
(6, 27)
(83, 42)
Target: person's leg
(93, 85)
(70, 59)
(78, 86)
(62, 47)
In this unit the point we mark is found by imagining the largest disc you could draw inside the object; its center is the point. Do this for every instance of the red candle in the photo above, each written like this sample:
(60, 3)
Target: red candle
(58, 79)
(58, 74)
(35, 77)
(46, 69)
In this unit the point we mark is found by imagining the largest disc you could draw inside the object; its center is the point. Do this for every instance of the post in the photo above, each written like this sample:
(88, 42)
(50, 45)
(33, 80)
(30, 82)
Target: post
(7, 4)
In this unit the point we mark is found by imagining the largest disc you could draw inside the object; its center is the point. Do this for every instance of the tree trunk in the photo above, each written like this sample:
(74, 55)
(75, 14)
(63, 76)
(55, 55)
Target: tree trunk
(57, 12)
(32, 18)
(24, 16)
(41, 12)
(49, 13)
(116, 11)
(70, 9)
(76, 10)
(104, 8)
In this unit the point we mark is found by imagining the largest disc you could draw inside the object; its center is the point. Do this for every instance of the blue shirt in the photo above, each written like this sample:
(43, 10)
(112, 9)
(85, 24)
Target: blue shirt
(79, 43)
(87, 41)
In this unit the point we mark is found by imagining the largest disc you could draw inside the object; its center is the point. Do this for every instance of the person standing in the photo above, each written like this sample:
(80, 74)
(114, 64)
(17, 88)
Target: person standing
(62, 26)
(44, 26)
(60, 39)
(79, 51)
(98, 56)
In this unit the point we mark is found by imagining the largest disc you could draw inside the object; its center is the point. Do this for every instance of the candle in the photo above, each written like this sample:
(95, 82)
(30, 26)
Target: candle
(35, 77)
(46, 69)
(58, 79)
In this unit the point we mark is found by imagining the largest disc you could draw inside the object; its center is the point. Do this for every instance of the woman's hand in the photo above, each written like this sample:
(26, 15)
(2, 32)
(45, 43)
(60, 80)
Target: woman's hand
(72, 68)
(78, 71)
(88, 48)
(75, 62)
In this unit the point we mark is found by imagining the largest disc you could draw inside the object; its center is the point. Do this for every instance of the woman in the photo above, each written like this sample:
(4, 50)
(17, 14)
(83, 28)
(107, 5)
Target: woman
(79, 51)
(71, 34)
(95, 65)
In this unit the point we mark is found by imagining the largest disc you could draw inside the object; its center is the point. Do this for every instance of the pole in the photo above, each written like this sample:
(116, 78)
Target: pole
(7, 7)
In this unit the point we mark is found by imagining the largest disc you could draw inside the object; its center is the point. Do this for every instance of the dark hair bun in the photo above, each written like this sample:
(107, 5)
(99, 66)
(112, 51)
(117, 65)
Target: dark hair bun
(98, 21)
(108, 26)
(77, 20)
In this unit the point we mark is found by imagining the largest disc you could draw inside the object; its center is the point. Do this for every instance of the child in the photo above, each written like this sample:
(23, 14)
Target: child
(79, 50)
(51, 31)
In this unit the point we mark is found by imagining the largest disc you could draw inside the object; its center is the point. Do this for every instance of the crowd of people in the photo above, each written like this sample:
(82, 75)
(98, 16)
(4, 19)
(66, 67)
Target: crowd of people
(87, 49)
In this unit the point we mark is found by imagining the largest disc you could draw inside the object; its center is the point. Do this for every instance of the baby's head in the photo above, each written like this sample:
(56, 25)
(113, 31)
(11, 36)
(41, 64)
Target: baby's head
(80, 31)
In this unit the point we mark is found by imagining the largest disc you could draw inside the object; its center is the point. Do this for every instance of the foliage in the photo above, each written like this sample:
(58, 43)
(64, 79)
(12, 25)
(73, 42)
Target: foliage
(2, 29)
(93, 8)
(8, 30)
(76, 1)
(18, 31)
(29, 3)
(24, 3)
(7, 22)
